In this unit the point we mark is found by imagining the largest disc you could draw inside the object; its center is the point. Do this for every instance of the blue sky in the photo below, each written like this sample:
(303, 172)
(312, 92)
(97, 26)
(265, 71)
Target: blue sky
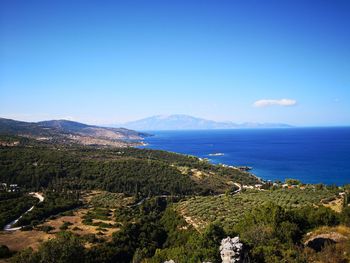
(114, 61)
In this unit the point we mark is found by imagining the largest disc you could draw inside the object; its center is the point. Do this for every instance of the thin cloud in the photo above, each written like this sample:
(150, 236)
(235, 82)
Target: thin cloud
(272, 102)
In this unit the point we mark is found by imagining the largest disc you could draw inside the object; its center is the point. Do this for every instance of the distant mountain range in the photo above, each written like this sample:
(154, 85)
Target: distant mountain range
(64, 131)
(185, 122)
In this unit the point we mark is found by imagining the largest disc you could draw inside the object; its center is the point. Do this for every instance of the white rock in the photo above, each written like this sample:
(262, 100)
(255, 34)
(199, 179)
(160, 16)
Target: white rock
(230, 250)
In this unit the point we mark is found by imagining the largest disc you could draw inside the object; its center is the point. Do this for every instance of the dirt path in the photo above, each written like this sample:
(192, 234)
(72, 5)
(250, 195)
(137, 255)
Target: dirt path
(9, 227)
(239, 188)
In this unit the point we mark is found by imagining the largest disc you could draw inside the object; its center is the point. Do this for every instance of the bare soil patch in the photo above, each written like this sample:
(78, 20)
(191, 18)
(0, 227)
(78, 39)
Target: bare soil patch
(18, 240)
(336, 205)
(78, 226)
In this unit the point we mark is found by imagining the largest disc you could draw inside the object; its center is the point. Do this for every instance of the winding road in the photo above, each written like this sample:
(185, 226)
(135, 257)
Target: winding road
(239, 188)
(9, 227)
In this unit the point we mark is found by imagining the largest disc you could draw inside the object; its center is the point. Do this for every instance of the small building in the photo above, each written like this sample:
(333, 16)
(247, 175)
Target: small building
(13, 188)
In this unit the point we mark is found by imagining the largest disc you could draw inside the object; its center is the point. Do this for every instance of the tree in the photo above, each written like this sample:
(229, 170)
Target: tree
(292, 182)
(345, 216)
(4, 251)
(66, 248)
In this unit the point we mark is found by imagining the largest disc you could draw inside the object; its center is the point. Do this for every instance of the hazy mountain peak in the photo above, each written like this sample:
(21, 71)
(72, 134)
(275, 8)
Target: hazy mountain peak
(187, 122)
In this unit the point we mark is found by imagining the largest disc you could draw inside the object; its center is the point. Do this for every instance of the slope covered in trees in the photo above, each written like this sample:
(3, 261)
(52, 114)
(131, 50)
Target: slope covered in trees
(12, 205)
(154, 232)
(229, 209)
(128, 170)
(159, 206)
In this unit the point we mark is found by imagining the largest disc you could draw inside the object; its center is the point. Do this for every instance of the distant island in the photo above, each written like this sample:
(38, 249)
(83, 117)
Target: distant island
(186, 122)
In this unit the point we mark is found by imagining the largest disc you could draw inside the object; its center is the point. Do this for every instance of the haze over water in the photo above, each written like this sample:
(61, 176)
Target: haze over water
(312, 155)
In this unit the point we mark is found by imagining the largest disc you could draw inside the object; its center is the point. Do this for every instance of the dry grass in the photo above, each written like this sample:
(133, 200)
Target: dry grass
(78, 227)
(340, 232)
(18, 240)
(331, 253)
(336, 205)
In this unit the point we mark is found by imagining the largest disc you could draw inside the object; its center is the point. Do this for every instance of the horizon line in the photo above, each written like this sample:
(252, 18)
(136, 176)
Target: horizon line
(233, 128)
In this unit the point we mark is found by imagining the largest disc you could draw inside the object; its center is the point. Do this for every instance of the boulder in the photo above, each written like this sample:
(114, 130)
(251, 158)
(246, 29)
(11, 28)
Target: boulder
(231, 250)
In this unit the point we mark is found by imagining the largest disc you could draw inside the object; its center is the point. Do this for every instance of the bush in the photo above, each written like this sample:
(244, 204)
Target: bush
(35, 222)
(4, 251)
(27, 228)
(91, 238)
(66, 248)
(345, 216)
(46, 229)
(68, 213)
(65, 225)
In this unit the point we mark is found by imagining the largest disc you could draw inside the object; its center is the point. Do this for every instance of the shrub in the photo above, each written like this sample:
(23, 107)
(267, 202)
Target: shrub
(65, 225)
(46, 229)
(4, 251)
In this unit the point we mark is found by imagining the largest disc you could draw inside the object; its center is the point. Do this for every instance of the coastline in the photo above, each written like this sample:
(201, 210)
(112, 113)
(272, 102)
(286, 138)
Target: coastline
(275, 155)
(144, 146)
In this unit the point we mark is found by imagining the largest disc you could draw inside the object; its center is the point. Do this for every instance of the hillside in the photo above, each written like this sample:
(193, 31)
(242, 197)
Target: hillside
(64, 131)
(229, 210)
(186, 122)
(139, 205)
(127, 170)
(108, 204)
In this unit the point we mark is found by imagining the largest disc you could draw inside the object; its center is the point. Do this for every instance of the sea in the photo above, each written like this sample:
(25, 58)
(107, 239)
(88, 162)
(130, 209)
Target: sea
(311, 155)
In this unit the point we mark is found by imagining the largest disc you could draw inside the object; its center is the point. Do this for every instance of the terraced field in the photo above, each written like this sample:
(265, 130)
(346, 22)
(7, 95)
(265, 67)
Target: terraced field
(228, 209)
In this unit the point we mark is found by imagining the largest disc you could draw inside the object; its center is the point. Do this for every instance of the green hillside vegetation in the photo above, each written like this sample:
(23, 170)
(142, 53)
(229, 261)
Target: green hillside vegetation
(53, 204)
(155, 232)
(148, 206)
(229, 209)
(127, 170)
(12, 205)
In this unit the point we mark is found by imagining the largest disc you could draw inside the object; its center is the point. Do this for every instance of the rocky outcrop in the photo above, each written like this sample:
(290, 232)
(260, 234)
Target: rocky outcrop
(319, 241)
(231, 250)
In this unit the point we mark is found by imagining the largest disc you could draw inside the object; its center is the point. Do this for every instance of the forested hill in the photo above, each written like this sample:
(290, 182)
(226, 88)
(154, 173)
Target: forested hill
(64, 131)
(128, 170)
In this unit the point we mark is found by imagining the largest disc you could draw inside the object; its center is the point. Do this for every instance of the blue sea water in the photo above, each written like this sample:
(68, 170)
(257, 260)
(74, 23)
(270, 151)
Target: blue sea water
(312, 155)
